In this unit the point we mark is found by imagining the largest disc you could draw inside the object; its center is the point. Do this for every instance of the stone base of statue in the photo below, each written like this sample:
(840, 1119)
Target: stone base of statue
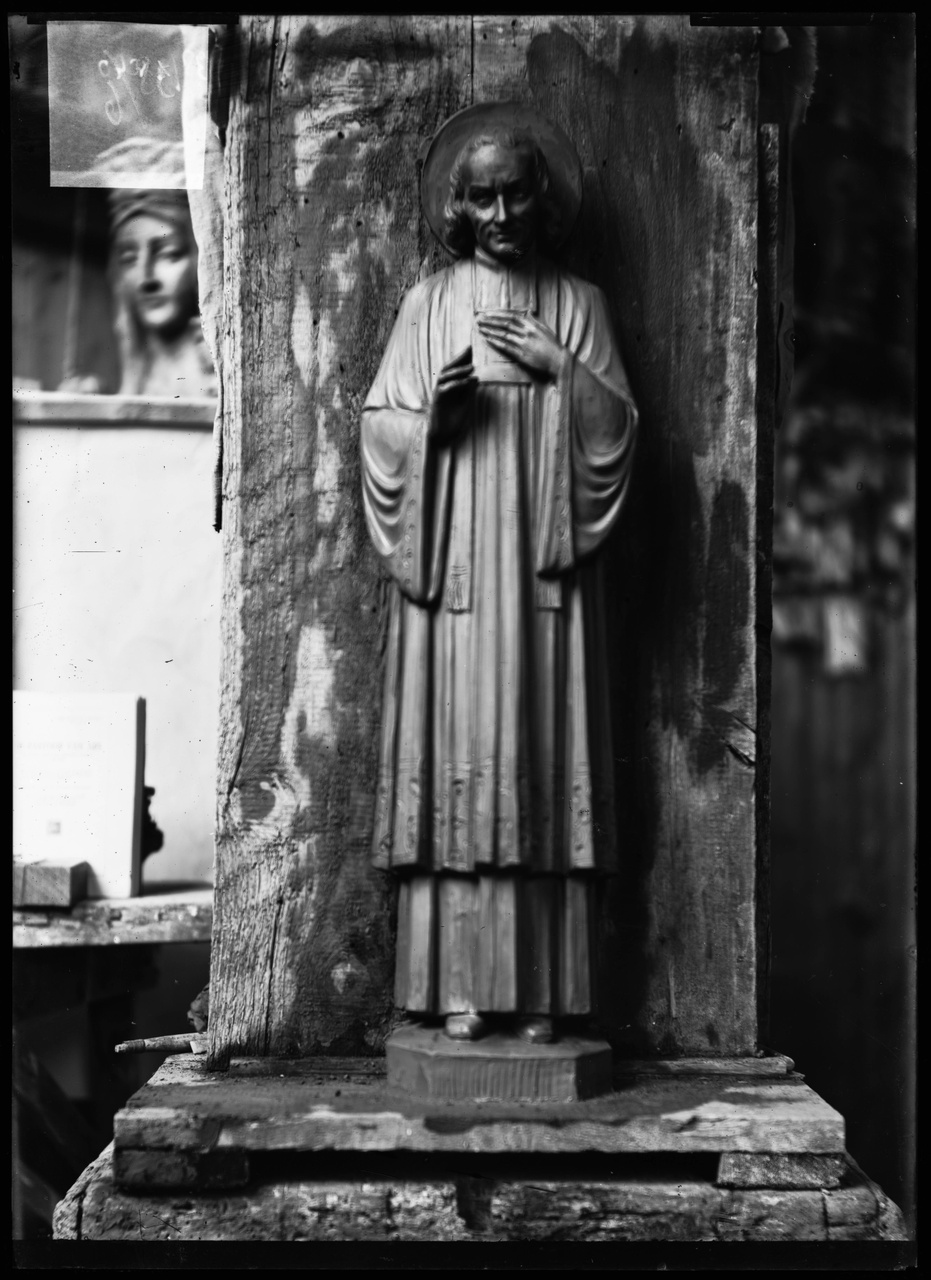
(425, 1063)
(697, 1150)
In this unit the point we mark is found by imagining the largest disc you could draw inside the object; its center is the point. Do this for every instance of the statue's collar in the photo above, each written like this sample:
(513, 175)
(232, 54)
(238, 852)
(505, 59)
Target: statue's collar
(505, 286)
(494, 264)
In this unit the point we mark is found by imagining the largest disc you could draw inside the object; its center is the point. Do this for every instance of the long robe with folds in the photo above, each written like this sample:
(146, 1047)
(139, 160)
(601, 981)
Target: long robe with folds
(495, 797)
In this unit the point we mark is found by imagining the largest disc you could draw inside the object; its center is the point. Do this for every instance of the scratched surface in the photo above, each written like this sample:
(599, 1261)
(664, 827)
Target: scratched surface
(664, 118)
(526, 1199)
(115, 82)
(305, 1107)
(322, 236)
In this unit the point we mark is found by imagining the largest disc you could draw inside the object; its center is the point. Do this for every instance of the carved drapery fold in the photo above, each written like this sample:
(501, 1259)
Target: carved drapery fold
(495, 750)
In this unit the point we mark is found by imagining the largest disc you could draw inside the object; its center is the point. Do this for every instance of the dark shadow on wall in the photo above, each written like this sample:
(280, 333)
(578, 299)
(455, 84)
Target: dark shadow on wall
(844, 658)
(642, 174)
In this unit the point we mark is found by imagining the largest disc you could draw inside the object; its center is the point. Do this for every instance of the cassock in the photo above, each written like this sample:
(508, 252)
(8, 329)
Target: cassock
(495, 794)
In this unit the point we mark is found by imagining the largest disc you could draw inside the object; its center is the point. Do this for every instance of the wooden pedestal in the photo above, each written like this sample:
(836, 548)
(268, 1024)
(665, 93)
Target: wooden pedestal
(425, 1063)
(324, 1150)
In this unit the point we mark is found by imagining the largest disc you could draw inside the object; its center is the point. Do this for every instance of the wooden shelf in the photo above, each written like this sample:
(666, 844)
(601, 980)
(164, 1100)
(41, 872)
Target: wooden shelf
(163, 914)
(61, 408)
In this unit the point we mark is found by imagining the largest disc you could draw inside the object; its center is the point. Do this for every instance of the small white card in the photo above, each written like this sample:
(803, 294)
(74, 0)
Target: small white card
(78, 779)
(124, 98)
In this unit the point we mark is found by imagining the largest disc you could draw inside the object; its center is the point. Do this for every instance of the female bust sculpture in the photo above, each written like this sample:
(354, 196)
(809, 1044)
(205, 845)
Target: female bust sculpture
(153, 277)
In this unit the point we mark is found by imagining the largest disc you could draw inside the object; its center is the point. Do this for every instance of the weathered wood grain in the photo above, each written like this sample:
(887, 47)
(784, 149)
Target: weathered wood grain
(321, 179)
(180, 915)
(187, 1113)
(775, 1064)
(444, 1206)
(199, 1170)
(765, 1169)
(664, 118)
(770, 234)
(323, 235)
(45, 885)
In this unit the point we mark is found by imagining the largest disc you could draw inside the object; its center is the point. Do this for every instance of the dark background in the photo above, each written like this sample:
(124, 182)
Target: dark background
(843, 740)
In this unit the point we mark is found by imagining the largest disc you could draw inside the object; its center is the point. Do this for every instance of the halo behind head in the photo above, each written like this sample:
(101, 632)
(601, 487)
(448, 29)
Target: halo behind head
(565, 171)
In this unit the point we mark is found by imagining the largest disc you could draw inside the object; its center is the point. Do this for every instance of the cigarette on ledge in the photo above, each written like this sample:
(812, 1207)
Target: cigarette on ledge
(191, 1042)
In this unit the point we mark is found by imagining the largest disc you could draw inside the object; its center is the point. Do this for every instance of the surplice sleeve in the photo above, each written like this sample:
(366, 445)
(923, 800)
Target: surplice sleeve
(405, 476)
(590, 436)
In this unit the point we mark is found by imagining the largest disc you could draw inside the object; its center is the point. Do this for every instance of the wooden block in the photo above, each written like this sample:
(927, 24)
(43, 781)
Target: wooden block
(427, 1064)
(753, 1169)
(850, 1209)
(49, 884)
(775, 1064)
(276, 1105)
(771, 1215)
(78, 762)
(202, 1169)
(444, 1205)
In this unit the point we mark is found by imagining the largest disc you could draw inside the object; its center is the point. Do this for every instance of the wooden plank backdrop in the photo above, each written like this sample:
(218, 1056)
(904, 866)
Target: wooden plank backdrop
(322, 236)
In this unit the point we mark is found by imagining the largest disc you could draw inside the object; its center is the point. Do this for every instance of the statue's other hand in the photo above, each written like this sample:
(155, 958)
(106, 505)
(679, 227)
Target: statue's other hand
(524, 339)
(453, 398)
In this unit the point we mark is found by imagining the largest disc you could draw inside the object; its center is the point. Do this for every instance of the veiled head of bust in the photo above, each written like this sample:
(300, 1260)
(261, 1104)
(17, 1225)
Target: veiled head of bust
(498, 197)
(154, 260)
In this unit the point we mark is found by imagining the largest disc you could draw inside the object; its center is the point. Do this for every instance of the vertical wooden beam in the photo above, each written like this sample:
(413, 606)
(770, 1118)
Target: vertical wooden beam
(323, 235)
(771, 224)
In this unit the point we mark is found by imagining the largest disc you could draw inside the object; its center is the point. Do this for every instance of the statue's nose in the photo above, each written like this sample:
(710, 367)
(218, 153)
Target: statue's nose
(149, 281)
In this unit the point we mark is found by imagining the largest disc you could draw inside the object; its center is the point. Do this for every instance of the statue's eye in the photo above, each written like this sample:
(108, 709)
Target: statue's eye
(126, 257)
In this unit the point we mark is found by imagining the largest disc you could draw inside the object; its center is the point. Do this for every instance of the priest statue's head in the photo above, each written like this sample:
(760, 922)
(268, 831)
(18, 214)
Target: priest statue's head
(499, 197)
(500, 179)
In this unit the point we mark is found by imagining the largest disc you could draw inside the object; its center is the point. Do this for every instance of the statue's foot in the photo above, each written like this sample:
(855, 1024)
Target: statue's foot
(465, 1026)
(536, 1030)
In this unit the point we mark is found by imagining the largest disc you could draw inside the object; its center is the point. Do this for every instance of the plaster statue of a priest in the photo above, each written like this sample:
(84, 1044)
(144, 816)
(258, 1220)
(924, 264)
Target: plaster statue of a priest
(496, 444)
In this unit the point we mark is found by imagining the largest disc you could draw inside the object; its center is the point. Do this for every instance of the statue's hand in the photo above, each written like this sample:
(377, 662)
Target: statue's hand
(524, 339)
(453, 398)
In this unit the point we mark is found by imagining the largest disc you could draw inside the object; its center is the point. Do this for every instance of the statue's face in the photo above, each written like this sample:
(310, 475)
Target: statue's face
(157, 266)
(501, 201)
